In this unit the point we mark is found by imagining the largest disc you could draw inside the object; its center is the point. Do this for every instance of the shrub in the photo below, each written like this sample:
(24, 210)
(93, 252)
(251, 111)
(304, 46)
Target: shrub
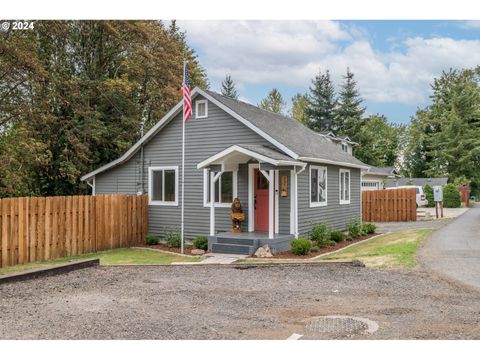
(451, 196)
(319, 233)
(354, 228)
(301, 246)
(369, 228)
(173, 239)
(151, 239)
(315, 249)
(201, 242)
(337, 236)
(428, 190)
(348, 238)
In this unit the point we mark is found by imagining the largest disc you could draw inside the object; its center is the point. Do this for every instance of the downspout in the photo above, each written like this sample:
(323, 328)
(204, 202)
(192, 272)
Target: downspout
(92, 185)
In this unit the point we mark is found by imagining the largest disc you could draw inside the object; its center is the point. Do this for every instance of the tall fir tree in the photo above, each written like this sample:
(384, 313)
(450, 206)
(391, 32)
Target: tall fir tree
(228, 88)
(321, 102)
(274, 102)
(348, 114)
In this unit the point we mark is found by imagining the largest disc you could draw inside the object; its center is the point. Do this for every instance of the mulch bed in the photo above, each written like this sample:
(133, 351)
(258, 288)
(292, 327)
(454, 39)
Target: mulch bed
(337, 246)
(188, 248)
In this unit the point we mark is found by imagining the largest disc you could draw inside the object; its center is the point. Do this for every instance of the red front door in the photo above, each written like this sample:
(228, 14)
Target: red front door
(261, 201)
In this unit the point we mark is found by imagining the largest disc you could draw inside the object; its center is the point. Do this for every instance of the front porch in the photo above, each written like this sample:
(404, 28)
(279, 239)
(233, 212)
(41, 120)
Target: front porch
(247, 243)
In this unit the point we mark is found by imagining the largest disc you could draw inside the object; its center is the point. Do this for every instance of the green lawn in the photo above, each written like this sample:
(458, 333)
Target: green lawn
(397, 250)
(111, 257)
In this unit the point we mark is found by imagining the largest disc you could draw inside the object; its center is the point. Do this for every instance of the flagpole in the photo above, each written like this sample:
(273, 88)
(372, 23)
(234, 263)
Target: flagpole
(183, 166)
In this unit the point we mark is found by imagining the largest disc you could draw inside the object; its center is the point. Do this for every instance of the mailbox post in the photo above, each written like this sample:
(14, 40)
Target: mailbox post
(438, 198)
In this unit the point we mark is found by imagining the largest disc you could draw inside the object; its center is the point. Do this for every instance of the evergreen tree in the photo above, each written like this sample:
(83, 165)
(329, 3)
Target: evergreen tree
(349, 112)
(299, 108)
(274, 102)
(228, 88)
(321, 102)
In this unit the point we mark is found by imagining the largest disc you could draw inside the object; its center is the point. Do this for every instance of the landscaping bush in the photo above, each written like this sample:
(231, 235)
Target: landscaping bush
(451, 196)
(201, 242)
(355, 228)
(320, 233)
(173, 239)
(151, 239)
(348, 238)
(428, 190)
(301, 246)
(369, 228)
(315, 249)
(337, 236)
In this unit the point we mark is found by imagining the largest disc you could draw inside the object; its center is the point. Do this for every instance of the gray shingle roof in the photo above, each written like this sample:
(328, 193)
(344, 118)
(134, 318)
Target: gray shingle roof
(266, 151)
(289, 132)
(387, 170)
(416, 181)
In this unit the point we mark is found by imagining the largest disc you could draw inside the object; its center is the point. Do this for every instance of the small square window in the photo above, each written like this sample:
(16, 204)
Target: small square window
(201, 109)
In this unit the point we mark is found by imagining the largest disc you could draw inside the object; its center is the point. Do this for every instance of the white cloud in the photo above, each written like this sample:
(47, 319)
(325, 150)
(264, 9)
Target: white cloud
(470, 24)
(290, 53)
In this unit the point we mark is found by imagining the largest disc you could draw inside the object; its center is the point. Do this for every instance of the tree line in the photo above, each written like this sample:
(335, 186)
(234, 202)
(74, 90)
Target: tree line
(323, 110)
(73, 96)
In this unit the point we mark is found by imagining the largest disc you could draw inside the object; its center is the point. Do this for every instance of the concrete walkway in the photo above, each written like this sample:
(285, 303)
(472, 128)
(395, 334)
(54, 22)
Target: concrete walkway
(454, 250)
(215, 258)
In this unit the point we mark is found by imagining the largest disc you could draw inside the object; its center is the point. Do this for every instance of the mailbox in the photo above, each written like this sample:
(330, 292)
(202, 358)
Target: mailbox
(437, 193)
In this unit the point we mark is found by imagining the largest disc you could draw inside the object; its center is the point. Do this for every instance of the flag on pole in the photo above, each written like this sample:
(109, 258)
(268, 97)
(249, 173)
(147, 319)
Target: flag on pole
(187, 101)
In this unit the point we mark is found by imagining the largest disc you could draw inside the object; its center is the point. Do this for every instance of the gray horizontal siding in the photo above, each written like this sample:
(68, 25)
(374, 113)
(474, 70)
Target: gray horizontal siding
(334, 214)
(124, 179)
(284, 204)
(204, 138)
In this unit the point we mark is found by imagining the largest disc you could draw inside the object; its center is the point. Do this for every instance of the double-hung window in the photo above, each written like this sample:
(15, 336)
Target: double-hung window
(318, 186)
(344, 186)
(163, 185)
(225, 188)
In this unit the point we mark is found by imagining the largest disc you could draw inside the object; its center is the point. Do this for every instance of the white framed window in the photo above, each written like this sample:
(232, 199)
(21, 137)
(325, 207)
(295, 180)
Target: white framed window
(163, 185)
(344, 186)
(225, 188)
(201, 109)
(344, 147)
(318, 186)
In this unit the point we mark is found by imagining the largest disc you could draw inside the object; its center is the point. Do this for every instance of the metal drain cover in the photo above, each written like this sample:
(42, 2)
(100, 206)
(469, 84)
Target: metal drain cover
(340, 325)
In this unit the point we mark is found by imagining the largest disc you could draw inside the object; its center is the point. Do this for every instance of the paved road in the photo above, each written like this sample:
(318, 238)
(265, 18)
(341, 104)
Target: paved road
(454, 250)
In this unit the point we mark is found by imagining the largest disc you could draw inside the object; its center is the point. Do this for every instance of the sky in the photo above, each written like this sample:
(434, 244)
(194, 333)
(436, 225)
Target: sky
(394, 62)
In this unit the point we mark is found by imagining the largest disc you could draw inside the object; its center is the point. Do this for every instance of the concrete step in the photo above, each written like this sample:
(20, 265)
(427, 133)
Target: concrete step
(237, 241)
(233, 249)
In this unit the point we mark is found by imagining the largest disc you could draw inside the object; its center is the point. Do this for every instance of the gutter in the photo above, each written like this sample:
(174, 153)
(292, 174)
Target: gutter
(341, 163)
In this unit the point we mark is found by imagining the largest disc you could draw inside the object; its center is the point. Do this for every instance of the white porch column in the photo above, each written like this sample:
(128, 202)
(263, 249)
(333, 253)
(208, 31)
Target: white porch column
(213, 177)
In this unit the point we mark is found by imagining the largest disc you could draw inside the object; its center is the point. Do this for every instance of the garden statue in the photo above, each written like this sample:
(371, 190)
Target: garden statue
(237, 216)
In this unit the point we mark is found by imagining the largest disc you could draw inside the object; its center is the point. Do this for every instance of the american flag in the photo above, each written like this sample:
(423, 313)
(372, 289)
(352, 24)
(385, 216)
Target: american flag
(187, 101)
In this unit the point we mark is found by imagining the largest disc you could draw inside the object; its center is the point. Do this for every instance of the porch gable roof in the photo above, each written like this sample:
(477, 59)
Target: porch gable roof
(242, 153)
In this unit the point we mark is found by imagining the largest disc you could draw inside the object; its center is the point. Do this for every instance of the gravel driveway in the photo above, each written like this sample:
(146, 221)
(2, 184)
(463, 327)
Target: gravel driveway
(212, 302)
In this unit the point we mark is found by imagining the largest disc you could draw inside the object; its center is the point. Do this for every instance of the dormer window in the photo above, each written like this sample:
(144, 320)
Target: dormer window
(344, 147)
(201, 109)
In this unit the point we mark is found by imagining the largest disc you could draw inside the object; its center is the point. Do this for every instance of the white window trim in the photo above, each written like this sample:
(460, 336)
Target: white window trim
(151, 169)
(196, 109)
(206, 190)
(318, 203)
(344, 202)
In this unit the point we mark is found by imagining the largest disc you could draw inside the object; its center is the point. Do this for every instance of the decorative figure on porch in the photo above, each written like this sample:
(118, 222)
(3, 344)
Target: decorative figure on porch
(237, 216)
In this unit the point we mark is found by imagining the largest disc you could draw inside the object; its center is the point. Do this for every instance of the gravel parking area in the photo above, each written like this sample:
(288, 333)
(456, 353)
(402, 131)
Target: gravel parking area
(212, 302)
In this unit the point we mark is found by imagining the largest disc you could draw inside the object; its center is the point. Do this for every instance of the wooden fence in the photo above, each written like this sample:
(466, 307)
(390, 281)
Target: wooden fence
(389, 205)
(43, 228)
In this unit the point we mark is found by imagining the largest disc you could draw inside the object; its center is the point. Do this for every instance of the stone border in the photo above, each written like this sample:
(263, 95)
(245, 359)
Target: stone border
(48, 271)
(166, 252)
(346, 247)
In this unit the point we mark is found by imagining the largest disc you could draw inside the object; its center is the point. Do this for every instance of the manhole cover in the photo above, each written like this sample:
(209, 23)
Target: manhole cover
(340, 325)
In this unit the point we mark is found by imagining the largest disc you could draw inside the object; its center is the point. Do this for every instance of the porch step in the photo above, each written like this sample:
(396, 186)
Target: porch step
(237, 241)
(233, 248)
